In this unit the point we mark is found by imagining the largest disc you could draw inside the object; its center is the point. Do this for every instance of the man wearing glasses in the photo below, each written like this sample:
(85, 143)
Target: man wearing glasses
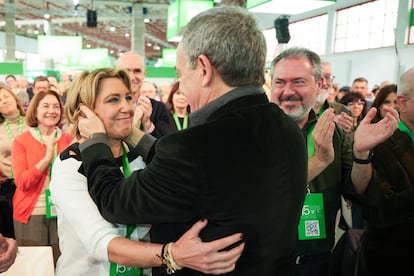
(342, 114)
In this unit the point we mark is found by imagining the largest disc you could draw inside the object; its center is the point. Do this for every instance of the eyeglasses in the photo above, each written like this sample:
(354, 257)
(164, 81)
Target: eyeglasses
(329, 77)
(358, 102)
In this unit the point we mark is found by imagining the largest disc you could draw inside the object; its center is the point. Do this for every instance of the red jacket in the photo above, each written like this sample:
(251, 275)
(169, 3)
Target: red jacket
(27, 151)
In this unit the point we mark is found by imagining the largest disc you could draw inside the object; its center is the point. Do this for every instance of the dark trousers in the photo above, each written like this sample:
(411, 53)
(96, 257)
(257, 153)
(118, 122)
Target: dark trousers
(7, 189)
(313, 265)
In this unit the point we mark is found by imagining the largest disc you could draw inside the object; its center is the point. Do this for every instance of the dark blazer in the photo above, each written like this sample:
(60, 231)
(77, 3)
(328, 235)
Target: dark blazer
(388, 241)
(160, 119)
(245, 170)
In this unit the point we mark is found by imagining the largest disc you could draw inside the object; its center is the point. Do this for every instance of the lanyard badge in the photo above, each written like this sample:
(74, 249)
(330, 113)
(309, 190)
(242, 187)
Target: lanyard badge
(312, 221)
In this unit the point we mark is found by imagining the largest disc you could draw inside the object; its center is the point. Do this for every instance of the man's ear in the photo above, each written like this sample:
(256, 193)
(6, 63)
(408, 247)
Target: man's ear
(206, 69)
(402, 102)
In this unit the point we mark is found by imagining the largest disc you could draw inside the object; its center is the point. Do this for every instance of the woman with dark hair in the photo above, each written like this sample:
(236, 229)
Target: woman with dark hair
(387, 95)
(357, 104)
(178, 108)
(11, 124)
(33, 153)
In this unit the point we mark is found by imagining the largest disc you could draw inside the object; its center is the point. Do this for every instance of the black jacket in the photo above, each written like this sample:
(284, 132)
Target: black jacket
(245, 170)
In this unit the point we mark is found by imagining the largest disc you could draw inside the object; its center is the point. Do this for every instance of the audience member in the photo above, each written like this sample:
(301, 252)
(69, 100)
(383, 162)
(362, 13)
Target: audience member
(11, 82)
(8, 252)
(342, 92)
(87, 242)
(241, 164)
(151, 116)
(24, 92)
(361, 85)
(33, 153)
(178, 107)
(149, 90)
(342, 117)
(386, 245)
(40, 83)
(356, 103)
(165, 89)
(387, 96)
(64, 83)
(53, 83)
(385, 83)
(297, 76)
(11, 124)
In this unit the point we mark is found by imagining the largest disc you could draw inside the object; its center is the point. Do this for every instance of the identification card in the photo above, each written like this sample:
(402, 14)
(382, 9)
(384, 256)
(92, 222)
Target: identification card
(312, 221)
(117, 269)
(50, 207)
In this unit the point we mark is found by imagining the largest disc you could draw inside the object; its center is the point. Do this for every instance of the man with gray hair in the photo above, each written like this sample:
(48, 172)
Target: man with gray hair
(241, 164)
(151, 115)
(387, 243)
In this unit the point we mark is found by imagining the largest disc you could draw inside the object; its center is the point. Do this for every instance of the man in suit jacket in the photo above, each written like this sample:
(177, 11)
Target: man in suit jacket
(242, 164)
(150, 115)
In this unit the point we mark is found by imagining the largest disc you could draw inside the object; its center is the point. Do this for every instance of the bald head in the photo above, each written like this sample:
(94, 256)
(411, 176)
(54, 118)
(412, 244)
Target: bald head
(134, 63)
(406, 86)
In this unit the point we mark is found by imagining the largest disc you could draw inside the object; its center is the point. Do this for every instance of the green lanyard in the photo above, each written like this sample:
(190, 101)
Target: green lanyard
(177, 121)
(39, 136)
(404, 128)
(19, 131)
(127, 172)
(10, 134)
(116, 269)
(311, 144)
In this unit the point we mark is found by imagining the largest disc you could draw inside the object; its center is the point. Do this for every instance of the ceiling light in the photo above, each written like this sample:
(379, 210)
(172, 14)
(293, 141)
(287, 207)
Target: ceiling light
(126, 34)
(46, 16)
(112, 29)
(290, 6)
(147, 20)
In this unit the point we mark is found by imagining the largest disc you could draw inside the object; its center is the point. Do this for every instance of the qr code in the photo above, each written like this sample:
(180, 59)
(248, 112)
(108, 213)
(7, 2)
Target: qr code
(312, 228)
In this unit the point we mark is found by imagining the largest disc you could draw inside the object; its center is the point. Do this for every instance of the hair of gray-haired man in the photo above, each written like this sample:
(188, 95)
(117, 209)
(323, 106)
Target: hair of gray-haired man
(300, 52)
(230, 38)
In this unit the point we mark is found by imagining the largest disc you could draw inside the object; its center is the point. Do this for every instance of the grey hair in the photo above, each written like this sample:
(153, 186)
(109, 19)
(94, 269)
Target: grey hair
(230, 38)
(406, 85)
(300, 52)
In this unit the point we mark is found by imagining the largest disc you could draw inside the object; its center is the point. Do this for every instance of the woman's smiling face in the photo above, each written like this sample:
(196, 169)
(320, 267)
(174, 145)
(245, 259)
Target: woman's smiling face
(115, 108)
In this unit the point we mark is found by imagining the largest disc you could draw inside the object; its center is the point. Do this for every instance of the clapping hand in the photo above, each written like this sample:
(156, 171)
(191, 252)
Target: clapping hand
(322, 137)
(344, 121)
(368, 134)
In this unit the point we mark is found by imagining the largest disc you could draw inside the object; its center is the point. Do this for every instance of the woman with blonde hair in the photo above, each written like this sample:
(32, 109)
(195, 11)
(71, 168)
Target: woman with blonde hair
(11, 124)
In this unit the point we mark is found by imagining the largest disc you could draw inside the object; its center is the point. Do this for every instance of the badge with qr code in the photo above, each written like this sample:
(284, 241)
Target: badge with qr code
(312, 221)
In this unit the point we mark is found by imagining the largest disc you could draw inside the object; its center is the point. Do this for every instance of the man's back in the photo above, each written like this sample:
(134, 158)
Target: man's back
(255, 188)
